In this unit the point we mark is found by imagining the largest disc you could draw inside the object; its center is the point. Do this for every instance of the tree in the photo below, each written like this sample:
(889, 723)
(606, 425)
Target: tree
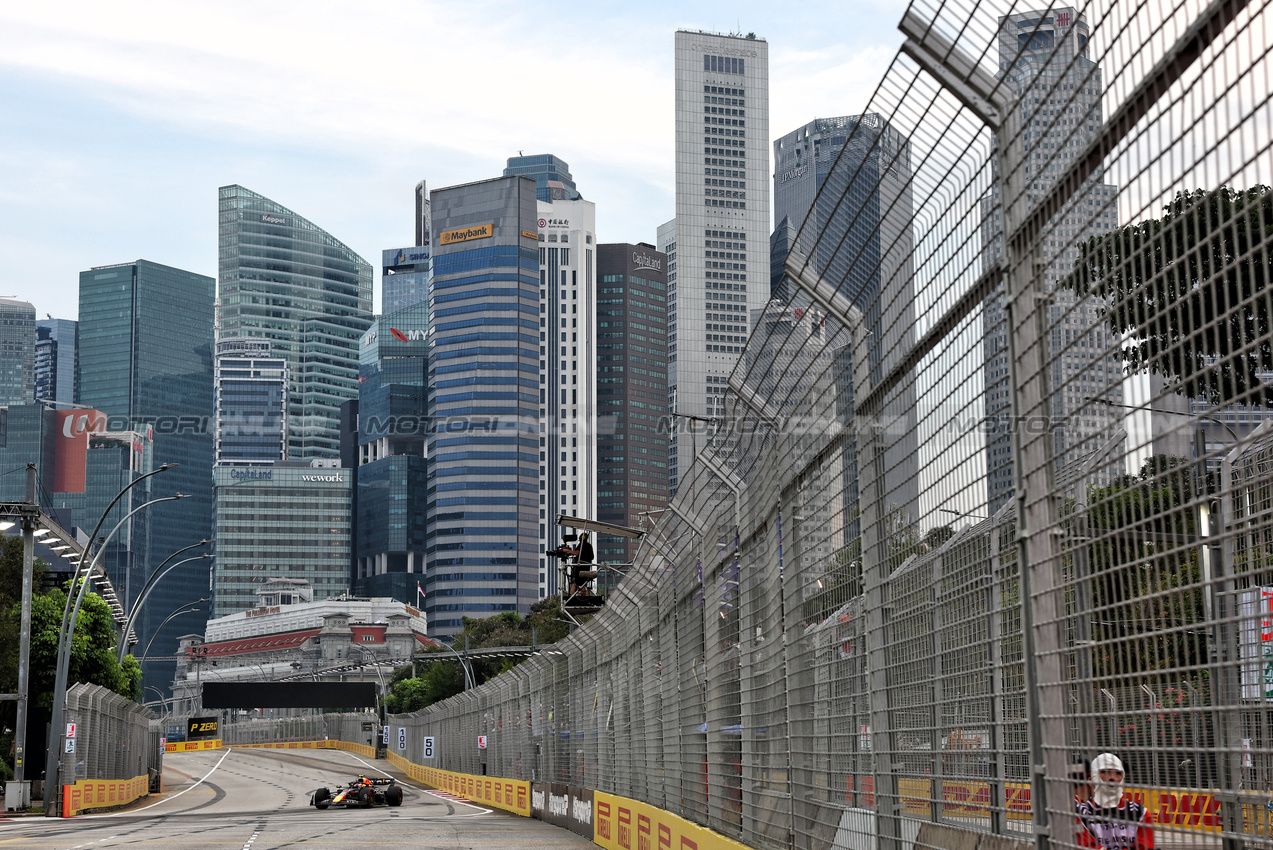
(1188, 288)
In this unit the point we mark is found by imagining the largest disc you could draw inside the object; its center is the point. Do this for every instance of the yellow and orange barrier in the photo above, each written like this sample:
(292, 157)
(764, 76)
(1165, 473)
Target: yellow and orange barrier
(623, 824)
(192, 746)
(512, 795)
(102, 794)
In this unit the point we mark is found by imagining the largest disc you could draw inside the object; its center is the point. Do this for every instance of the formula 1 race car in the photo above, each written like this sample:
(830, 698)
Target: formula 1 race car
(362, 793)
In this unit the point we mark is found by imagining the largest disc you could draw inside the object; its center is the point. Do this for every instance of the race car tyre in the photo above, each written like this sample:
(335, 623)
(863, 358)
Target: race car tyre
(393, 795)
(367, 797)
(322, 798)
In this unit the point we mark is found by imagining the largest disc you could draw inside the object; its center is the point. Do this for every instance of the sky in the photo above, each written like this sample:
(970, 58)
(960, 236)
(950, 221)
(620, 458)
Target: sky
(121, 120)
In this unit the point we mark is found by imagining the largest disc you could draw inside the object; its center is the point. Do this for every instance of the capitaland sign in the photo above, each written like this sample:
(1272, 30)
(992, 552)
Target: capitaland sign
(272, 219)
(252, 474)
(642, 260)
(464, 234)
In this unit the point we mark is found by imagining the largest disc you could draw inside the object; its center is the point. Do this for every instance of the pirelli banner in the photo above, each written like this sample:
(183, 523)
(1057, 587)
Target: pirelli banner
(623, 824)
(192, 746)
(512, 795)
(88, 794)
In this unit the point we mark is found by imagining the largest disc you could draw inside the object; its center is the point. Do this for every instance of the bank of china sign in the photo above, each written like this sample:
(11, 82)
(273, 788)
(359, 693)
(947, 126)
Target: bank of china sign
(464, 234)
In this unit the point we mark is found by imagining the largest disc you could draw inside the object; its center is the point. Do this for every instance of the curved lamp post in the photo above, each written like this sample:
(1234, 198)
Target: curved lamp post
(69, 614)
(384, 692)
(150, 585)
(181, 609)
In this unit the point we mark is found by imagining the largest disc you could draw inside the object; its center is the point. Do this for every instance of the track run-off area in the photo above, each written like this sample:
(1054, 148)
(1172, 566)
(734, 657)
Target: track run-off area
(250, 799)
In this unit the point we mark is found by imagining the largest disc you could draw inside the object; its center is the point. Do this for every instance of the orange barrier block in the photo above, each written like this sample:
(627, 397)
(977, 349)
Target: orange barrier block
(88, 794)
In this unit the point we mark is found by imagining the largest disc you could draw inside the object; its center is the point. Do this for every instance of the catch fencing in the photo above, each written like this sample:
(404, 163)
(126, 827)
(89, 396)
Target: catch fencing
(114, 738)
(992, 489)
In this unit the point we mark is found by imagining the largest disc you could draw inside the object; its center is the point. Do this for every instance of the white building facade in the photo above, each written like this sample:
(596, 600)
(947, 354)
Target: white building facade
(721, 233)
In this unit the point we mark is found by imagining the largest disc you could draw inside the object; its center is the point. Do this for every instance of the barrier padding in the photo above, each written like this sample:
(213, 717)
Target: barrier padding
(325, 744)
(623, 824)
(192, 746)
(512, 795)
(88, 794)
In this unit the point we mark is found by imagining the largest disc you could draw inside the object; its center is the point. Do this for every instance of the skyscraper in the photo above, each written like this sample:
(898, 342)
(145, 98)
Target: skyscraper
(857, 237)
(722, 219)
(1043, 60)
(567, 268)
(631, 390)
(251, 402)
(551, 174)
(484, 510)
(17, 352)
(404, 277)
(56, 349)
(286, 280)
(145, 339)
(392, 469)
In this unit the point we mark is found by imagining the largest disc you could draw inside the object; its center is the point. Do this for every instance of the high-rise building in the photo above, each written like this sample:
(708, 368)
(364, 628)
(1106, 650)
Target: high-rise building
(857, 237)
(146, 351)
(568, 372)
(722, 220)
(1043, 60)
(285, 520)
(552, 176)
(17, 351)
(392, 468)
(484, 509)
(56, 349)
(285, 279)
(251, 402)
(631, 391)
(404, 277)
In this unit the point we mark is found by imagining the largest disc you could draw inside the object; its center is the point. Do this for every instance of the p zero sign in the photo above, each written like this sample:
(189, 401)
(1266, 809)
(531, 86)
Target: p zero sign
(464, 234)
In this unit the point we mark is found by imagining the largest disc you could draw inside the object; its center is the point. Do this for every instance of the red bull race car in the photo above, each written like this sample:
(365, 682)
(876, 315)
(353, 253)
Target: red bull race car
(362, 793)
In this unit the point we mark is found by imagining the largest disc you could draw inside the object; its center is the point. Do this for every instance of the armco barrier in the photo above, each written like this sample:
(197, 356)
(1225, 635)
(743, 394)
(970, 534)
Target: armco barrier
(102, 794)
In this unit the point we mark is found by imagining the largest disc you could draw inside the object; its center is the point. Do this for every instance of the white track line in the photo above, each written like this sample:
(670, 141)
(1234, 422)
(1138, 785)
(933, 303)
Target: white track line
(165, 799)
(425, 790)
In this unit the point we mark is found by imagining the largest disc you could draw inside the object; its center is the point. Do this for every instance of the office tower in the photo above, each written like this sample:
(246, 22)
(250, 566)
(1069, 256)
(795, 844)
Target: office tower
(568, 362)
(286, 280)
(857, 237)
(251, 402)
(484, 511)
(552, 176)
(423, 217)
(56, 349)
(17, 352)
(722, 219)
(145, 341)
(404, 277)
(284, 520)
(1043, 60)
(781, 242)
(391, 482)
(631, 391)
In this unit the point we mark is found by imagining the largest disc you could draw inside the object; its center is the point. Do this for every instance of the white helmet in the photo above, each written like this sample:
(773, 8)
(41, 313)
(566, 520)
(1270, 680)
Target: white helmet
(1107, 794)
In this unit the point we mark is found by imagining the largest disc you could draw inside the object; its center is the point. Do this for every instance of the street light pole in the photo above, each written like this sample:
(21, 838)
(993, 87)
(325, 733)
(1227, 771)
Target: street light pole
(150, 583)
(24, 636)
(52, 765)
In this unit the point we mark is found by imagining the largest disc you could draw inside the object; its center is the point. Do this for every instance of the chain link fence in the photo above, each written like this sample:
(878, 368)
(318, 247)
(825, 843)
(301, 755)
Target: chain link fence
(993, 487)
(114, 737)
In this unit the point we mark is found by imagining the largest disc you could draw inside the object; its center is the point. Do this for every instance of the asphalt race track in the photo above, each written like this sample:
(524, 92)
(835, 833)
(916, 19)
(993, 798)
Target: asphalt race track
(259, 800)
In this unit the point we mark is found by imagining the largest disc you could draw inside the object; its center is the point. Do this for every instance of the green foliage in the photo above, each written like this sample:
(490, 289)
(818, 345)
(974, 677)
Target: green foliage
(1145, 578)
(1190, 289)
(445, 678)
(92, 648)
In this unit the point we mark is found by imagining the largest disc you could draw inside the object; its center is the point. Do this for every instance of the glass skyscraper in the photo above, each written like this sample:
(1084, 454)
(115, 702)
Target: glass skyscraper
(551, 174)
(56, 349)
(17, 352)
(392, 471)
(484, 510)
(404, 277)
(286, 280)
(251, 387)
(145, 340)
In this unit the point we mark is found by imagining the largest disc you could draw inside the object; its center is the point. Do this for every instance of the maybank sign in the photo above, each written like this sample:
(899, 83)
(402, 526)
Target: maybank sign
(464, 234)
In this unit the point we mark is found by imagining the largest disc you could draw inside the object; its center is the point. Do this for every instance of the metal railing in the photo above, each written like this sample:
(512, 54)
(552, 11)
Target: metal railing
(114, 737)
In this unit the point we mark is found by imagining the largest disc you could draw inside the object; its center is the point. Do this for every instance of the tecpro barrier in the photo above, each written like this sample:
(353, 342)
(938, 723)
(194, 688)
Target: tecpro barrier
(89, 794)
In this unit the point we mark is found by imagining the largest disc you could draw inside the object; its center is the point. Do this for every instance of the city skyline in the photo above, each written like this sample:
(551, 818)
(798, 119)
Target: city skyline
(174, 136)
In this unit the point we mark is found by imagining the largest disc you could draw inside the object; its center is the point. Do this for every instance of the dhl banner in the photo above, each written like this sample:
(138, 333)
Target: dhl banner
(102, 794)
(623, 824)
(191, 746)
(512, 795)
